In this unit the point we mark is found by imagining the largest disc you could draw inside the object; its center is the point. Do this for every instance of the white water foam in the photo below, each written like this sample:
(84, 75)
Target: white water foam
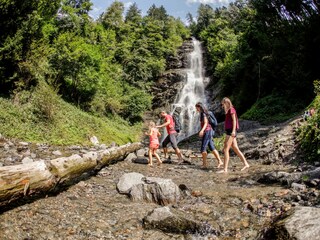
(192, 92)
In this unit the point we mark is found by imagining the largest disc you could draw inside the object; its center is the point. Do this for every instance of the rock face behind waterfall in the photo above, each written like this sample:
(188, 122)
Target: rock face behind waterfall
(168, 85)
(181, 60)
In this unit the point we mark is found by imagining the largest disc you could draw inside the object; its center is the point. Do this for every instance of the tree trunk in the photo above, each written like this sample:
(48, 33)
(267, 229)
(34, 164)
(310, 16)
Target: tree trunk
(26, 180)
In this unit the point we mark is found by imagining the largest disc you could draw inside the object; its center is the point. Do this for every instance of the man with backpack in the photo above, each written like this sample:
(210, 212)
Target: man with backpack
(172, 136)
(208, 123)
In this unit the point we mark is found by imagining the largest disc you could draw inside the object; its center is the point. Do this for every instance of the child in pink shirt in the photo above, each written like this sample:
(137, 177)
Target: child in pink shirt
(153, 134)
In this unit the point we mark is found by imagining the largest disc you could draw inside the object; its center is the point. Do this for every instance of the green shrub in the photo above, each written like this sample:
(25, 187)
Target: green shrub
(136, 103)
(271, 109)
(42, 116)
(309, 133)
(45, 101)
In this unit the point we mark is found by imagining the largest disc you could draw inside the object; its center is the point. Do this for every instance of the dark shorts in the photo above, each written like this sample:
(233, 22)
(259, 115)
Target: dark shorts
(207, 141)
(171, 138)
(229, 131)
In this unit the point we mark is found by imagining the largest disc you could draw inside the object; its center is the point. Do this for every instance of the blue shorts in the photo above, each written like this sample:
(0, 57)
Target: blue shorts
(207, 141)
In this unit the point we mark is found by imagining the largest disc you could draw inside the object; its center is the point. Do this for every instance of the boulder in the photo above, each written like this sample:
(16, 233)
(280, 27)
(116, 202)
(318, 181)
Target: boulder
(300, 224)
(175, 222)
(158, 190)
(281, 177)
(127, 181)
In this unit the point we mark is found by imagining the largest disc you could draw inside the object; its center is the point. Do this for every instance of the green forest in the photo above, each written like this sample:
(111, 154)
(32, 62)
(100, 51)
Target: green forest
(65, 76)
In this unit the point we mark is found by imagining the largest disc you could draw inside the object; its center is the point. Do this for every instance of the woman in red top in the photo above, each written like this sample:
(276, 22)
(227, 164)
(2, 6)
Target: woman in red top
(153, 134)
(231, 125)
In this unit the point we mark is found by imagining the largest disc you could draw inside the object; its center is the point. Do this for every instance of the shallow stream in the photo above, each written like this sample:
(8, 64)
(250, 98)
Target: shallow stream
(234, 204)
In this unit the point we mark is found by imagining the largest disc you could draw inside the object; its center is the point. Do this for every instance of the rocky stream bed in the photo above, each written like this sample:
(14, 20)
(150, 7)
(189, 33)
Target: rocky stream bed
(237, 205)
(234, 204)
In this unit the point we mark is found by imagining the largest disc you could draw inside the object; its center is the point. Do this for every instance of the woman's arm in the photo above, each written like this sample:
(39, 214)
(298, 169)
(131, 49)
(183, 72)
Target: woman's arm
(205, 123)
(234, 124)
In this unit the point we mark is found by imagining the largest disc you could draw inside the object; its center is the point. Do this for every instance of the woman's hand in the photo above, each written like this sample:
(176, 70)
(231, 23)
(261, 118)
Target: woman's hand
(201, 133)
(233, 134)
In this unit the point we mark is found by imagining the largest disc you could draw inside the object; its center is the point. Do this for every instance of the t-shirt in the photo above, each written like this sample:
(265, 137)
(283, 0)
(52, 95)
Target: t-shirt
(170, 127)
(154, 140)
(202, 116)
(154, 136)
(228, 121)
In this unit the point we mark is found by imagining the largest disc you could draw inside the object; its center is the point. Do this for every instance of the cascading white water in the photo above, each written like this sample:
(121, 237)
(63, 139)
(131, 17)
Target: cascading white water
(192, 92)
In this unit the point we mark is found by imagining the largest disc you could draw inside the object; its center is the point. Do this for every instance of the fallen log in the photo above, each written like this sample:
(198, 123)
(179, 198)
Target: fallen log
(67, 169)
(113, 154)
(25, 180)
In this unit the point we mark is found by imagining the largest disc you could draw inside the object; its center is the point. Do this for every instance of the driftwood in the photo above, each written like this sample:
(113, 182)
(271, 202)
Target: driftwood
(26, 180)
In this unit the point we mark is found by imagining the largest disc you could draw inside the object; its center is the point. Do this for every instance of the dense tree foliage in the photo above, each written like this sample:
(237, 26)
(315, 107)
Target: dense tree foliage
(263, 53)
(20, 25)
(104, 66)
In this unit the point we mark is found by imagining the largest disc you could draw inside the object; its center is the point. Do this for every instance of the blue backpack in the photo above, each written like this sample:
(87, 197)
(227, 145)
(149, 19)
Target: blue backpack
(212, 120)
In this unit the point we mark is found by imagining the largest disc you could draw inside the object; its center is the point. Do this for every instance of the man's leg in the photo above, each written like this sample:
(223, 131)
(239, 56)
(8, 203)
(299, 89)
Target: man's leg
(177, 150)
(165, 151)
(164, 146)
(174, 144)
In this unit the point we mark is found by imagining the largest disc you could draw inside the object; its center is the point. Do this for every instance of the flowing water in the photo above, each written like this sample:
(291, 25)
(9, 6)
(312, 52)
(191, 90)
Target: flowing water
(192, 92)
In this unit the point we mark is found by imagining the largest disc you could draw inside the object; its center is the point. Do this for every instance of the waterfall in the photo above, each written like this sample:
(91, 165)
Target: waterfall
(192, 92)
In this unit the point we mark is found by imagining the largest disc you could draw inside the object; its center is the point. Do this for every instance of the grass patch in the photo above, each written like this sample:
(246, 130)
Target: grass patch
(273, 109)
(219, 142)
(42, 116)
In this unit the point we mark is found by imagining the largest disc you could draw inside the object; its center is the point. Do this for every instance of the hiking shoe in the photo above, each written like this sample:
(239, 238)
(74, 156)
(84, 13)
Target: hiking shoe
(168, 160)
